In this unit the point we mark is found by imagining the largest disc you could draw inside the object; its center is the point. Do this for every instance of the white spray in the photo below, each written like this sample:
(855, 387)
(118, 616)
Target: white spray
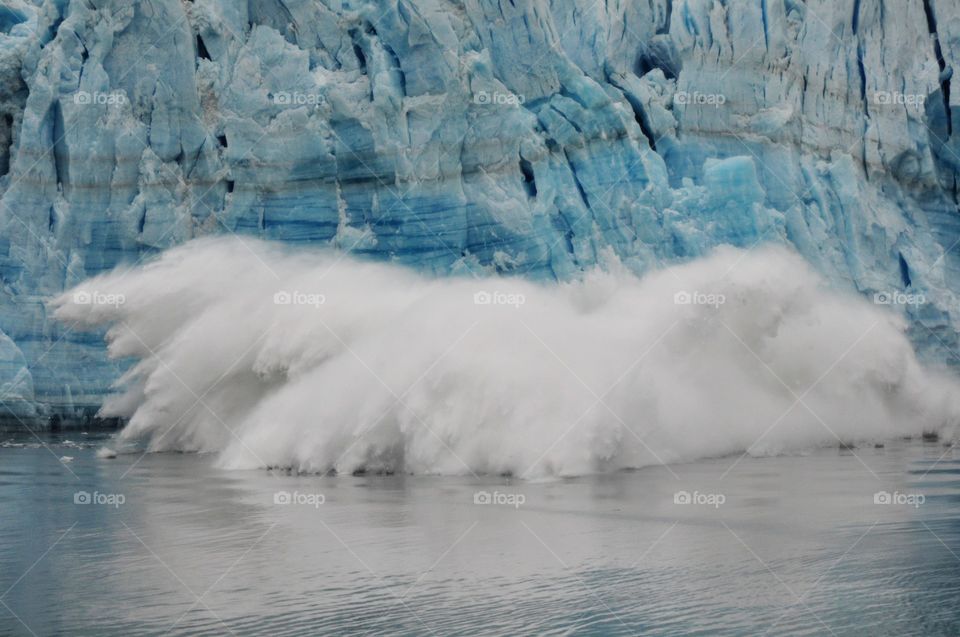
(321, 362)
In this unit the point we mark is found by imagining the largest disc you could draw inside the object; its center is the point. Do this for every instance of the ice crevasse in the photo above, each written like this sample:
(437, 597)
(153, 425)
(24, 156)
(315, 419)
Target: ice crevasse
(533, 138)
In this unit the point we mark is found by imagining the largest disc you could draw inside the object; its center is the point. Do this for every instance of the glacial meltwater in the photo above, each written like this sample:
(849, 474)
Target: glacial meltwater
(861, 541)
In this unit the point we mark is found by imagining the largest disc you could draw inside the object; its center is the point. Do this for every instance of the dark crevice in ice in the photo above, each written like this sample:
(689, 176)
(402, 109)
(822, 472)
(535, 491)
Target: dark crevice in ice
(576, 181)
(202, 52)
(61, 161)
(6, 138)
(358, 50)
(665, 27)
(945, 72)
(395, 67)
(529, 181)
(904, 271)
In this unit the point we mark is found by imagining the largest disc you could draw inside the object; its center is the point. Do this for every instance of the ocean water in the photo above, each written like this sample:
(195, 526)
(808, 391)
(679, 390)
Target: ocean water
(168, 543)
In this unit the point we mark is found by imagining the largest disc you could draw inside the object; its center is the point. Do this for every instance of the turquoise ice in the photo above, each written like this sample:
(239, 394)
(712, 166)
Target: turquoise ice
(524, 137)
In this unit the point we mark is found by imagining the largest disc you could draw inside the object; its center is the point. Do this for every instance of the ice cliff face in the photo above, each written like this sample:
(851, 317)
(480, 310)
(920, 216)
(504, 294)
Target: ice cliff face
(526, 137)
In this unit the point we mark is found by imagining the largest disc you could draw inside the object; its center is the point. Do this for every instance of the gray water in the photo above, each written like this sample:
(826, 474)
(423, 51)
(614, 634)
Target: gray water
(168, 544)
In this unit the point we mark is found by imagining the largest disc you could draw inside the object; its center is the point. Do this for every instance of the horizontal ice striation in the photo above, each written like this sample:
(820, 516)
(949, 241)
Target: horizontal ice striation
(526, 137)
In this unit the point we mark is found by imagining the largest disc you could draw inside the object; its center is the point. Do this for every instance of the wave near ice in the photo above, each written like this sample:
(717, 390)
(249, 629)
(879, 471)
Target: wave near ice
(320, 362)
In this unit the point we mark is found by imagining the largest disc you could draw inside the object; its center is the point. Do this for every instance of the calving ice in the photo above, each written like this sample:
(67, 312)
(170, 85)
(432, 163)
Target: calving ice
(404, 373)
(394, 314)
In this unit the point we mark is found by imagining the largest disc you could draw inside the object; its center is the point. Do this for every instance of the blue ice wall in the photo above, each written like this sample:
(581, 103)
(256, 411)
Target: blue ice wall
(526, 137)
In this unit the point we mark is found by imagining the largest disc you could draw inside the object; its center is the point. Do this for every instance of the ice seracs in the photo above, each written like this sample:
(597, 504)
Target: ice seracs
(531, 137)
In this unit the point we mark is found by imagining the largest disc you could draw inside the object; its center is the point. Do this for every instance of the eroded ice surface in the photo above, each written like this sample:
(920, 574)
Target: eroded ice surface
(527, 137)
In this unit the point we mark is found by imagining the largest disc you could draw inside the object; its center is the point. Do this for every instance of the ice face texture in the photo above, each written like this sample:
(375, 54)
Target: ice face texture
(528, 137)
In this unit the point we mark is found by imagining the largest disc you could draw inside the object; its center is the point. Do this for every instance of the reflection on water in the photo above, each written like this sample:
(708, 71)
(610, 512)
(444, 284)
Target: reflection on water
(782, 546)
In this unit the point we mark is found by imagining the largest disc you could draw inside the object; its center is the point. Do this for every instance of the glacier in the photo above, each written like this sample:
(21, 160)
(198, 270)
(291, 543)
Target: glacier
(523, 138)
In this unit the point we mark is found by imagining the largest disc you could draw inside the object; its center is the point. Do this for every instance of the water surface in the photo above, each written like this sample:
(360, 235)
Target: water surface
(779, 546)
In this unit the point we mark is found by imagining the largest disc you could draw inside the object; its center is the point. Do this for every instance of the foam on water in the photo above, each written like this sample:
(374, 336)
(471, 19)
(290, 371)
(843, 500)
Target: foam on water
(320, 362)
